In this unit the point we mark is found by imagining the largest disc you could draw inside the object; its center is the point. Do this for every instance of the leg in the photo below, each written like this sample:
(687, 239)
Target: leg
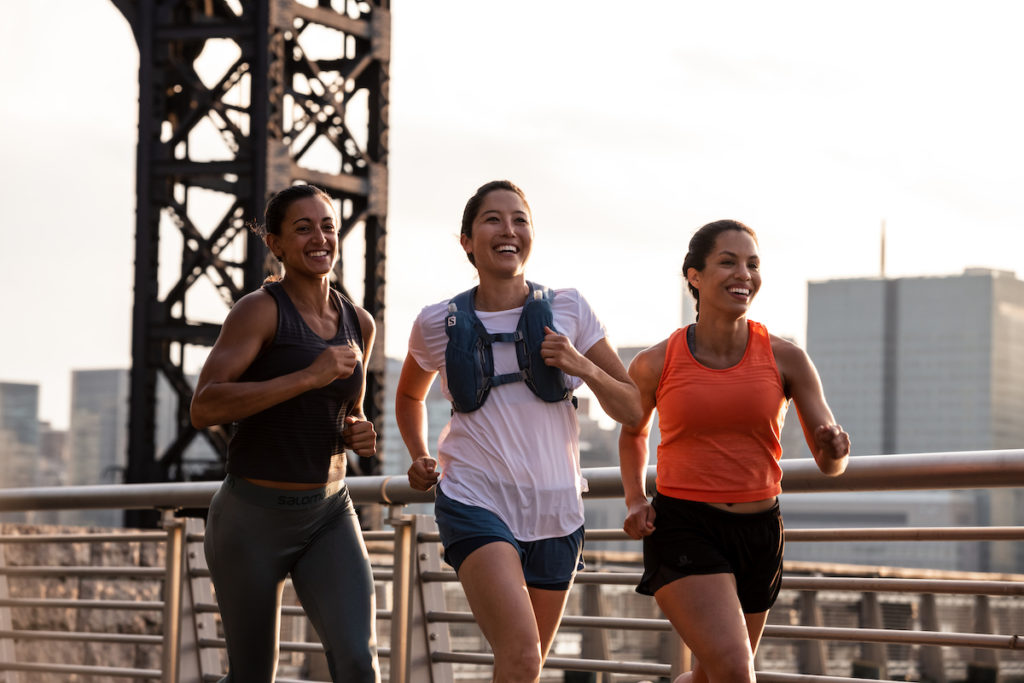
(706, 613)
(492, 577)
(248, 579)
(334, 583)
(548, 606)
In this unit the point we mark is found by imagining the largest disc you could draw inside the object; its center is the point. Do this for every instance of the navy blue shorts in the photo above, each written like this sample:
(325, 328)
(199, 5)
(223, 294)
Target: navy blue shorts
(548, 563)
(693, 538)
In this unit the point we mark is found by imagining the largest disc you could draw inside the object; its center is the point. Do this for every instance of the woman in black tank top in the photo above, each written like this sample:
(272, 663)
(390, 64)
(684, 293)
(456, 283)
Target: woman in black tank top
(289, 370)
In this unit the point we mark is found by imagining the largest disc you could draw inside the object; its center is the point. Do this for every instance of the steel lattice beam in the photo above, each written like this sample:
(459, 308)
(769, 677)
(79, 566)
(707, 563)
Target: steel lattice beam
(301, 95)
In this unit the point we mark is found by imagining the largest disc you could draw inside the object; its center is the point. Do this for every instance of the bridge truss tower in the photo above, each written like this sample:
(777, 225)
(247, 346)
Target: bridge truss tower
(237, 99)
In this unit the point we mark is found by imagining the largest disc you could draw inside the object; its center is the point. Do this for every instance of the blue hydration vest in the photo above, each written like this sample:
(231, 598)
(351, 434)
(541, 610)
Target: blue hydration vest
(469, 359)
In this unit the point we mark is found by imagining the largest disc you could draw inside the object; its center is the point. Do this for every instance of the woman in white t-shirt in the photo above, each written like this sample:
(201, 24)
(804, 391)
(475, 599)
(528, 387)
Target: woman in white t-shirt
(508, 502)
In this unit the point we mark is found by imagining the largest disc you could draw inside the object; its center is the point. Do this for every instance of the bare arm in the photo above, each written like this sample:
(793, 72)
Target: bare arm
(359, 433)
(828, 442)
(645, 371)
(602, 371)
(250, 325)
(411, 416)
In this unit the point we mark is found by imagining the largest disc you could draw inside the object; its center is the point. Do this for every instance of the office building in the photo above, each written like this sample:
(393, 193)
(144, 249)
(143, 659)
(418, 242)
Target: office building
(926, 364)
(19, 438)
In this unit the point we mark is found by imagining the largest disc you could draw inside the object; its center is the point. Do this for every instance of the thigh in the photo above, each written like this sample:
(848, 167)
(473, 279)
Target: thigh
(492, 578)
(248, 576)
(706, 613)
(334, 582)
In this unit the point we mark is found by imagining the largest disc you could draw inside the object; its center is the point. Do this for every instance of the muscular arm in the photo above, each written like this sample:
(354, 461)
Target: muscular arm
(645, 371)
(828, 442)
(411, 416)
(359, 433)
(601, 370)
(220, 398)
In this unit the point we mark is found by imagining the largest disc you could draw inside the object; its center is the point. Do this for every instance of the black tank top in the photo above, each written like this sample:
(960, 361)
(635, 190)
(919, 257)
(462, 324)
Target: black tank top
(297, 439)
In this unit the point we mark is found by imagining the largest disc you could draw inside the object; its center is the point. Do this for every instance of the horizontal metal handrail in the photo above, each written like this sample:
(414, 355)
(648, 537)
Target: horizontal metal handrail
(84, 636)
(562, 663)
(877, 635)
(85, 571)
(80, 669)
(139, 605)
(137, 536)
(897, 472)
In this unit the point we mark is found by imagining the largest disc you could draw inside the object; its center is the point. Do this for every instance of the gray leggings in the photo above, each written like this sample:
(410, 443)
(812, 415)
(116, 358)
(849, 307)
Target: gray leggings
(255, 537)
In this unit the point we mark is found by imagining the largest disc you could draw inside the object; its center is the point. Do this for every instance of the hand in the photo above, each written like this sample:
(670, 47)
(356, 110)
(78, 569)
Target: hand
(830, 441)
(639, 520)
(558, 351)
(423, 473)
(360, 436)
(335, 362)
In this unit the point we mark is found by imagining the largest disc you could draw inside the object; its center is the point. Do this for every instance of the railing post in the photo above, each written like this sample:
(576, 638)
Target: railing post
(872, 663)
(932, 668)
(175, 528)
(7, 652)
(400, 590)
(984, 666)
(812, 654)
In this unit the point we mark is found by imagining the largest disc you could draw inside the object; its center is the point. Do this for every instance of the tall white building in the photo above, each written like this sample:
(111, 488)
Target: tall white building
(925, 364)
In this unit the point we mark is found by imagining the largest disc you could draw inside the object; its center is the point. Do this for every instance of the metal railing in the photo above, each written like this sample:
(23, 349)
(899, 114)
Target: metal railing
(412, 578)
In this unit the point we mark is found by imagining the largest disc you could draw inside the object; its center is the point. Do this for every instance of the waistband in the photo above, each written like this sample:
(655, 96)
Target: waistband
(712, 511)
(284, 499)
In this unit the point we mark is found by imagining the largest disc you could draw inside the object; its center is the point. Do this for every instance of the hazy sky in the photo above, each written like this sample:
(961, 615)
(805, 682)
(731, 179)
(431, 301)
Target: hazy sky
(629, 125)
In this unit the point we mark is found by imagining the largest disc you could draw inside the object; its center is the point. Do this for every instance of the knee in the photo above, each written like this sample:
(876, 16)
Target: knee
(738, 668)
(358, 667)
(518, 665)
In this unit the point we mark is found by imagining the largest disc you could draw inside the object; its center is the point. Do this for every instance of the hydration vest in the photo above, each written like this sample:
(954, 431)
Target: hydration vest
(469, 358)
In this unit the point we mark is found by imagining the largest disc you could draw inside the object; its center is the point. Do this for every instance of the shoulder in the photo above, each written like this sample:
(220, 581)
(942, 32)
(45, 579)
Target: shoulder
(255, 307)
(433, 314)
(791, 360)
(569, 301)
(649, 363)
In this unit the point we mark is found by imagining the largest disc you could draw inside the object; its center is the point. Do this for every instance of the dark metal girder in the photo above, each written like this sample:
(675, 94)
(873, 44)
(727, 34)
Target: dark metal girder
(173, 102)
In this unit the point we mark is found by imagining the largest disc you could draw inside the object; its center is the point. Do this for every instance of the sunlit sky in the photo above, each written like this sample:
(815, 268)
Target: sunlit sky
(629, 125)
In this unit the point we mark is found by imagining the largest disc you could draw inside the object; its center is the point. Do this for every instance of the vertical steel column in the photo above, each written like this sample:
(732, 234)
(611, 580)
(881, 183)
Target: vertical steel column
(303, 97)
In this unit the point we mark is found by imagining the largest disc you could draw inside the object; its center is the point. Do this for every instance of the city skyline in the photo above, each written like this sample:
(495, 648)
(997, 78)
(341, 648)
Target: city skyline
(811, 123)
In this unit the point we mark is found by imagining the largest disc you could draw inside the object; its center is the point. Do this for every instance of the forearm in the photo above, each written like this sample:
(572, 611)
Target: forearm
(411, 416)
(223, 402)
(633, 464)
(619, 399)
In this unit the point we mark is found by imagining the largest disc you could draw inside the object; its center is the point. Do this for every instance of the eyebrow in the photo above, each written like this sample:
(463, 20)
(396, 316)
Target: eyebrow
(726, 252)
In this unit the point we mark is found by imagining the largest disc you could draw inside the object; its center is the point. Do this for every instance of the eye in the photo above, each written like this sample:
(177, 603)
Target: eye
(328, 227)
(754, 265)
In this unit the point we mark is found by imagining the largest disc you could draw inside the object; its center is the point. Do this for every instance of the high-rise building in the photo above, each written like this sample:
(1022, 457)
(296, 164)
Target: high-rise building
(19, 437)
(926, 364)
(97, 437)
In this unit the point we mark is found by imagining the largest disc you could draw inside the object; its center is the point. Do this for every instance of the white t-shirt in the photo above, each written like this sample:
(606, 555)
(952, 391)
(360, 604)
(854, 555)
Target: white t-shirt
(516, 455)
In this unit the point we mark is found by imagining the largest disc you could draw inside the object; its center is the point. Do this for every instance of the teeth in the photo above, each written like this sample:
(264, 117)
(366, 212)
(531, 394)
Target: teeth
(322, 252)
(507, 249)
(744, 292)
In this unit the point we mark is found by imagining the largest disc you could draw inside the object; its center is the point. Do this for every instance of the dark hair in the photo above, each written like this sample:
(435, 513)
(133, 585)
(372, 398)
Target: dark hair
(701, 244)
(473, 205)
(278, 205)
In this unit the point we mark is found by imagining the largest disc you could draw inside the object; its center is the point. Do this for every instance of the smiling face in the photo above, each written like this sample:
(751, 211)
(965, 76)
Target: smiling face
(731, 276)
(501, 235)
(308, 238)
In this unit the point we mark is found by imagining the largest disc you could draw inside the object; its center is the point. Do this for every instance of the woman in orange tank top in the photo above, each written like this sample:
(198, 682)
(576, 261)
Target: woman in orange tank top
(713, 532)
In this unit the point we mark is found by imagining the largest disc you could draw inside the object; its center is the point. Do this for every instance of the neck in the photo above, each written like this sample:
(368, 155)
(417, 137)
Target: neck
(501, 294)
(312, 294)
(721, 337)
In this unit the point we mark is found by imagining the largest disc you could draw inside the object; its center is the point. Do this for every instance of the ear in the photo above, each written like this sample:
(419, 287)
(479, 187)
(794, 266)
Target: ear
(273, 244)
(693, 277)
(467, 243)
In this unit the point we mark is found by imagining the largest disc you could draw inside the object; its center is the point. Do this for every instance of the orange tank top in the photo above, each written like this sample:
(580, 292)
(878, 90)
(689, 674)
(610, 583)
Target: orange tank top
(720, 428)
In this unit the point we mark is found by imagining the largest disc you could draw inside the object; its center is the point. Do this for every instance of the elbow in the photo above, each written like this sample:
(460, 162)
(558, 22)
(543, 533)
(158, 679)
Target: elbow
(197, 414)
